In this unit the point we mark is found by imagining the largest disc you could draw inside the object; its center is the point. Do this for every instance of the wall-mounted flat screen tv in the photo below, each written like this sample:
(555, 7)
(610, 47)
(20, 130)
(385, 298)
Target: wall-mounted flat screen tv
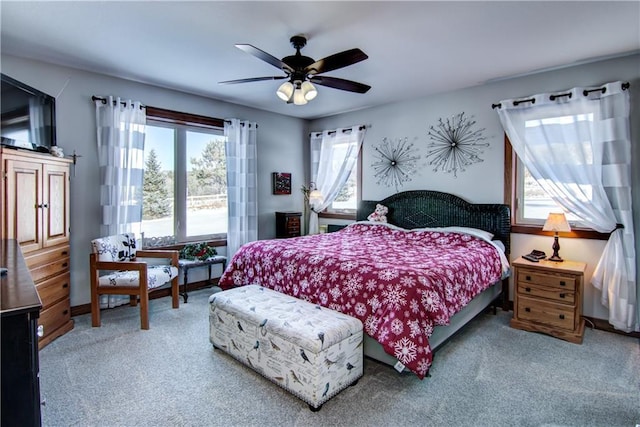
(28, 116)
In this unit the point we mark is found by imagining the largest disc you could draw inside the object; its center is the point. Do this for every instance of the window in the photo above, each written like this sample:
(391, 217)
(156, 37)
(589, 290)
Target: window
(346, 202)
(185, 180)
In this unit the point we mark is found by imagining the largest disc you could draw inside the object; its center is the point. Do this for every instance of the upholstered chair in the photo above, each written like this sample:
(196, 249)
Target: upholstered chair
(129, 273)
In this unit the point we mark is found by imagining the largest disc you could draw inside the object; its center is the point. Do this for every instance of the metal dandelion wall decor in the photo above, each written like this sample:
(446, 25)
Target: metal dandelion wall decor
(396, 162)
(455, 145)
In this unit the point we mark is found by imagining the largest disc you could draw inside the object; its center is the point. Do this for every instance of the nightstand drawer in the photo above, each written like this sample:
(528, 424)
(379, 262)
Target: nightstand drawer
(559, 281)
(546, 312)
(559, 295)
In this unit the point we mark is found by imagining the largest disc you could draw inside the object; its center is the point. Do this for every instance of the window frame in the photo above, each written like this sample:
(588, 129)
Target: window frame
(511, 182)
(174, 119)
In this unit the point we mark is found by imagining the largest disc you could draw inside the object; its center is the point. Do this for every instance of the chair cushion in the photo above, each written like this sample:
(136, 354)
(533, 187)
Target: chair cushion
(157, 275)
(119, 247)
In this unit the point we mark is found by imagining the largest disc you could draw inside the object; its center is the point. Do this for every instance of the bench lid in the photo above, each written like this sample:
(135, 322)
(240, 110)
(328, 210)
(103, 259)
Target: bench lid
(308, 325)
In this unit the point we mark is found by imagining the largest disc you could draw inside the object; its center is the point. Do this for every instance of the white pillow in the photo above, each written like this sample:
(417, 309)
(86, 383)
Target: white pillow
(485, 235)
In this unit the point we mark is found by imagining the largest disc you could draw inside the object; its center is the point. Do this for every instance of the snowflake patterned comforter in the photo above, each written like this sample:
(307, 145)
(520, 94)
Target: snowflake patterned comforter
(399, 283)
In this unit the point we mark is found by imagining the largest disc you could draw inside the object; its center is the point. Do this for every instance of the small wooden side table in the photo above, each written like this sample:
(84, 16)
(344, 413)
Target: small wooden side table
(187, 264)
(548, 298)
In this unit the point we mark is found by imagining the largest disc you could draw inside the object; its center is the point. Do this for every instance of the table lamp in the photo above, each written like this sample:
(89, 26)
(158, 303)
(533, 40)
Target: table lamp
(556, 222)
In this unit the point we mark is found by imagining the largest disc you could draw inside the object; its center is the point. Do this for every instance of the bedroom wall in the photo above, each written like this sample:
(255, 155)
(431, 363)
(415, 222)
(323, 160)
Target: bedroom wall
(483, 182)
(76, 131)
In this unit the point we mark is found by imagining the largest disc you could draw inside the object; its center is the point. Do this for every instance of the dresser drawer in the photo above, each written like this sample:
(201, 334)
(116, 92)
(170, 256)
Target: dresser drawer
(293, 221)
(53, 289)
(54, 317)
(48, 270)
(559, 295)
(47, 256)
(546, 312)
(559, 281)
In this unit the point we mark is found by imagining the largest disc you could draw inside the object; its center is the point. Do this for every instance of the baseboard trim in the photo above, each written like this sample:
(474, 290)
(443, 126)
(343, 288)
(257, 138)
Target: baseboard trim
(78, 310)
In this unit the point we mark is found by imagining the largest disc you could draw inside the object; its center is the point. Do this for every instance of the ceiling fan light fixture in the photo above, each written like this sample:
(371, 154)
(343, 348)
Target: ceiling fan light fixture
(298, 97)
(285, 91)
(308, 90)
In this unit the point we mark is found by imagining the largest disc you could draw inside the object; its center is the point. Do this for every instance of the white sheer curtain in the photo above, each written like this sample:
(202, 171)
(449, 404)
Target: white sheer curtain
(333, 156)
(242, 182)
(120, 130)
(577, 146)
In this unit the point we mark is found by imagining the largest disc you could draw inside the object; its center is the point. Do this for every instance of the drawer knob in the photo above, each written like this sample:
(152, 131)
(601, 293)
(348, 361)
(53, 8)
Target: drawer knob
(562, 295)
(67, 311)
(64, 264)
(562, 283)
(65, 253)
(561, 316)
(527, 309)
(527, 289)
(66, 285)
(527, 278)
(40, 331)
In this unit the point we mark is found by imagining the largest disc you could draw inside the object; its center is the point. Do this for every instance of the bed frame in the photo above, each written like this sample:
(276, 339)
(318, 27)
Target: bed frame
(424, 208)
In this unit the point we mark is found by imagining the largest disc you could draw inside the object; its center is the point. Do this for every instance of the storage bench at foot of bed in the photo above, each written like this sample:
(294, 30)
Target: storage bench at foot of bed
(311, 351)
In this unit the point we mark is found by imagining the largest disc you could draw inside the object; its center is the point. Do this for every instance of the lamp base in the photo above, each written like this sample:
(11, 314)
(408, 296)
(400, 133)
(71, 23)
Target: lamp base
(556, 247)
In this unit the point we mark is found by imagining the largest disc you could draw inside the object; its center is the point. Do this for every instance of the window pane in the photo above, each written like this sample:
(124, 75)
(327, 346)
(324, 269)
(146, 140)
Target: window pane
(347, 198)
(158, 190)
(206, 185)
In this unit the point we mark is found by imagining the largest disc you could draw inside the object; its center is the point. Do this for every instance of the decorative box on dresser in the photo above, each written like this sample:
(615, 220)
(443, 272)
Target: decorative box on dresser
(288, 224)
(35, 195)
(548, 298)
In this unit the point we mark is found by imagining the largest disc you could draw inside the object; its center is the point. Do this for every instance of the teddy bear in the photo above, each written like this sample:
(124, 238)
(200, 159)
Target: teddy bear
(380, 214)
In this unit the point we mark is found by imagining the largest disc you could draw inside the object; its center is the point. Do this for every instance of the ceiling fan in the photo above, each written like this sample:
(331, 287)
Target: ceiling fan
(301, 70)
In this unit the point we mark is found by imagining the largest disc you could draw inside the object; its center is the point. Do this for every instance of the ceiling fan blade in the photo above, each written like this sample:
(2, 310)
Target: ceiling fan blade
(341, 84)
(260, 54)
(252, 79)
(335, 61)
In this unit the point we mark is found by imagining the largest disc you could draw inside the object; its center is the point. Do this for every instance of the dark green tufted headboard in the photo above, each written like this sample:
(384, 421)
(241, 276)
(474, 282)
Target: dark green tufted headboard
(424, 208)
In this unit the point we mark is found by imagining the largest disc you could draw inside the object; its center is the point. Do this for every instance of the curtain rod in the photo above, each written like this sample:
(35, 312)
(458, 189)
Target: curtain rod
(585, 92)
(241, 123)
(104, 101)
(345, 130)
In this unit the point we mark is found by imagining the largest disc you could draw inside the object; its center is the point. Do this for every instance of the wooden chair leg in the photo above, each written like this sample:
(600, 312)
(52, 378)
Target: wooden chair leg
(144, 310)
(175, 295)
(95, 308)
(95, 296)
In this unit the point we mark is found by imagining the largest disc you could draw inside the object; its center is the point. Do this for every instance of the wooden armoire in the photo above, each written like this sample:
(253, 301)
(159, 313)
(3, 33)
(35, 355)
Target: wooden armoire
(35, 212)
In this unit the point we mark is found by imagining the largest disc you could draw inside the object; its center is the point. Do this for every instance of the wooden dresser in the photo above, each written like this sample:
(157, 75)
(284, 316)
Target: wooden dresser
(288, 224)
(19, 308)
(35, 189)
(548, 298)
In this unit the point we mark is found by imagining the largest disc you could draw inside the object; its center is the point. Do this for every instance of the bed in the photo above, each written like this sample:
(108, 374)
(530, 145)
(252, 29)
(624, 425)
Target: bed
(410, 281)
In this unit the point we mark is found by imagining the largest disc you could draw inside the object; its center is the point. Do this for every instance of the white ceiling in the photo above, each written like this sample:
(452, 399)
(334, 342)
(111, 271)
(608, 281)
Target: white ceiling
(415, 48)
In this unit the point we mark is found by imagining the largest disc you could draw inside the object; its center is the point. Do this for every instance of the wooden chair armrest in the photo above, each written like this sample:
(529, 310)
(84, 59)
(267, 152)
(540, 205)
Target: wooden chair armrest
(159, 253)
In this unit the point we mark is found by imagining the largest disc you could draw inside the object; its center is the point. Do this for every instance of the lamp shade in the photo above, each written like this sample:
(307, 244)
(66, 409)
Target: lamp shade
(298, 97)
(308, 90)
(315, 197)
(285, 91)
(556, 222)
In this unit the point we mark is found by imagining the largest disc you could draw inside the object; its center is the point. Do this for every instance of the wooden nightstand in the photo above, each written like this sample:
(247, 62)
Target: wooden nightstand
(288, 224)
(548, 298)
